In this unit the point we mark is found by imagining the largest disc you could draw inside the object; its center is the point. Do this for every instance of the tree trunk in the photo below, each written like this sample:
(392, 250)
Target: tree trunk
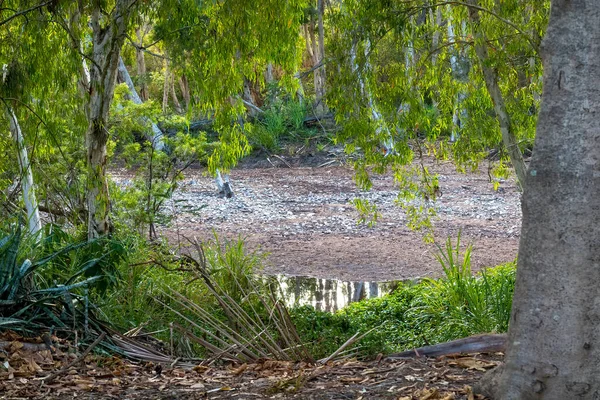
(157, 136)
(176, 102)
(141, 65)
(269, 78)
(491, 82)
(381, 126)
(435, 40)
(185, 91)
(553, 348)
(249, 99)
(29, 198)
(313, 41)
(319, 77)
(106, 43)
(166, 87)
(460, 72)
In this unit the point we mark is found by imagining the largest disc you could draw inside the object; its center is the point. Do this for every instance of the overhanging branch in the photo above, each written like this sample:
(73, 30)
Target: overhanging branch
(19, 13)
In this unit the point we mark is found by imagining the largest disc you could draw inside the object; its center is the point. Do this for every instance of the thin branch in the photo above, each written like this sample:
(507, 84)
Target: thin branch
(15, 15)
(145, 48)
(486, 10)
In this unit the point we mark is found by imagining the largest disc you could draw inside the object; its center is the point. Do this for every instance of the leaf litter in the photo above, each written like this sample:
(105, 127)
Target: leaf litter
(24, 363)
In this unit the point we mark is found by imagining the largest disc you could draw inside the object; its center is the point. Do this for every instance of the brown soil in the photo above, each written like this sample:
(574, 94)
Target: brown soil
(303, 219)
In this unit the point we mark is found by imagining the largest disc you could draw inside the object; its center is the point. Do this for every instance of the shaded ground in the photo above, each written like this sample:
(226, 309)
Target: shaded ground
(26, 368)
(303, 218)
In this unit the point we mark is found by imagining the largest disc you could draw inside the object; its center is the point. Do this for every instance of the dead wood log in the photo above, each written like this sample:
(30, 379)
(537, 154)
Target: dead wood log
(472, 344)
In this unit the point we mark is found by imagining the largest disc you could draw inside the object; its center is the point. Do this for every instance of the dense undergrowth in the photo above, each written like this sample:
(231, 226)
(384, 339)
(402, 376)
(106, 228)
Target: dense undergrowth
(209, 300)
(415, 315)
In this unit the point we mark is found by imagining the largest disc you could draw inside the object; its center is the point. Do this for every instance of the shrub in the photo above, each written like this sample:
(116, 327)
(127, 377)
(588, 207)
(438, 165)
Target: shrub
(433, 311)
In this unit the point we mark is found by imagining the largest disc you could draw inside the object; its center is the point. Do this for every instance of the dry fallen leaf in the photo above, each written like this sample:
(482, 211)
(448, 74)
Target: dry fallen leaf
(472, 363)
(200, 369)
(14, 346)
(428, 394)
(469, 390)
(240, 369)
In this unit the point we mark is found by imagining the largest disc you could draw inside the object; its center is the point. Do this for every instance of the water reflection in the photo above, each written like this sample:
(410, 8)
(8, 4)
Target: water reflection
(329, 294)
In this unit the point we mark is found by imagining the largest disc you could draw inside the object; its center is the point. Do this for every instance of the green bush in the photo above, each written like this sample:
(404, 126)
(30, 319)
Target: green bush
(433, 311)
(463, 303)
(282, 121)
(50, 280)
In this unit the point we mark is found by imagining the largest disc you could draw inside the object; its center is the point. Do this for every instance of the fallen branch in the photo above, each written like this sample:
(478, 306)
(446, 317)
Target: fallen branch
(281, 158)
(473, 344)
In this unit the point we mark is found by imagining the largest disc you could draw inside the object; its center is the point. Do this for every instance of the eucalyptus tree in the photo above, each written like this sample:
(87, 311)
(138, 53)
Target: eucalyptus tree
(220, 45)
(552, 348)
(319, 57)
(499, 98)
(37, 101)
(29, 197)
(417, 64)
(216, 44)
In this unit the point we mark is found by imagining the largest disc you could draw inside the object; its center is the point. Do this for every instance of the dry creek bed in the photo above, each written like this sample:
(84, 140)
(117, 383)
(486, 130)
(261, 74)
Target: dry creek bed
(302, 218)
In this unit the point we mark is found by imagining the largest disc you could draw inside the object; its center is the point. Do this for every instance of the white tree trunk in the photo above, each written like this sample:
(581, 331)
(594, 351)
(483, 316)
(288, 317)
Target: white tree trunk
(176, 102)
(166, 87)
(31, 206)
(269, 74)
(319, 73)
(141, 64)
(107, 39)
(553, 346)
(156, 139)
(381, 125)
(458, 114)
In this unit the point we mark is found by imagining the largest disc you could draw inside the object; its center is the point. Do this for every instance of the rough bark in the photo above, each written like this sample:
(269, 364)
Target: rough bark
(31, 206)
(491, 82)
(553, 347)
(156, 138)
(107, 41)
